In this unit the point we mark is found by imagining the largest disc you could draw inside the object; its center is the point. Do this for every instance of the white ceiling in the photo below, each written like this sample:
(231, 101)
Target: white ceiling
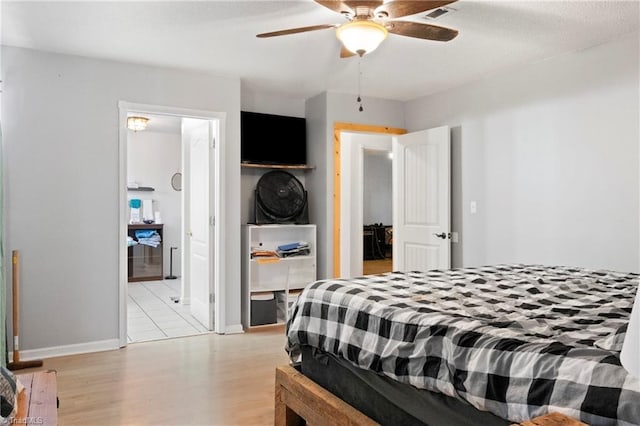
(219, 36)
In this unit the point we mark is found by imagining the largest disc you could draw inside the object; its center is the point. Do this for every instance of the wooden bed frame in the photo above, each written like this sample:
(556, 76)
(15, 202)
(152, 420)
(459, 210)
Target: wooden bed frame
(300, 400)
(38, 402)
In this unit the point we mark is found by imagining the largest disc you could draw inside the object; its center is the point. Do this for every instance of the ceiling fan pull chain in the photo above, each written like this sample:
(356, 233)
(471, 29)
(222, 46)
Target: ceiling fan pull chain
(359, 78)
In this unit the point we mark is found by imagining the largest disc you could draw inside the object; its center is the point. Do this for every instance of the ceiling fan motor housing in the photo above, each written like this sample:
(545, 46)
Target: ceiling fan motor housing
(280, 198)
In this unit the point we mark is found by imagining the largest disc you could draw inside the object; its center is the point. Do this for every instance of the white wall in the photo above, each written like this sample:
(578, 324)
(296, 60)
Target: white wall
(60, 117)
(322, 112)
(152, 159)
(550, 154)
(378, 207)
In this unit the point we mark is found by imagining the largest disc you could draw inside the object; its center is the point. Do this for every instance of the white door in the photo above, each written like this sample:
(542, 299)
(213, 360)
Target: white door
(421, 200)
(197, 135)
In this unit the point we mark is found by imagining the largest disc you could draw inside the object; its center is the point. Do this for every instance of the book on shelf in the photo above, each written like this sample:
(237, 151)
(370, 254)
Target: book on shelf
(295, 252)
(293, 246)
(285, 250)
(300, 248)
(263, 253)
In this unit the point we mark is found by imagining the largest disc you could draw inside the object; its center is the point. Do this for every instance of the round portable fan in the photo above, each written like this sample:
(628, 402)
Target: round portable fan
(280, 198)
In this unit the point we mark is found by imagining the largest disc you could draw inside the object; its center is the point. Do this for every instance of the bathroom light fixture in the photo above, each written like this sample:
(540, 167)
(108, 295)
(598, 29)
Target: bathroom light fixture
(361, 36)
(137, 123)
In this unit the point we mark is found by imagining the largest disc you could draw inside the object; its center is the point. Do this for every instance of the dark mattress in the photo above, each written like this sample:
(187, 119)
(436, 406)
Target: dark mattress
(386, 401)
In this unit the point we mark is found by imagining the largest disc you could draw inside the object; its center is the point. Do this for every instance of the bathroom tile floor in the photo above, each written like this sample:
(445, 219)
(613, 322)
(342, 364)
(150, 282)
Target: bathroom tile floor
(152, 314)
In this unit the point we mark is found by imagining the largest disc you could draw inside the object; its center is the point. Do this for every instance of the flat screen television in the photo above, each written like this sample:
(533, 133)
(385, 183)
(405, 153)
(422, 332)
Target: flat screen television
(273, 139)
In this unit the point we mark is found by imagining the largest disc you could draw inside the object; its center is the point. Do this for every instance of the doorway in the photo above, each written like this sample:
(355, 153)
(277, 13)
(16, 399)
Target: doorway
(377, 211)
(366, 200)
(169, 199)
(346, 248)
(420, 233)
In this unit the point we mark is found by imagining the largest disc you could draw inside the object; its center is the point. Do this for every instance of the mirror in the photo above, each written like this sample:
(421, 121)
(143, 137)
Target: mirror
(176, 181)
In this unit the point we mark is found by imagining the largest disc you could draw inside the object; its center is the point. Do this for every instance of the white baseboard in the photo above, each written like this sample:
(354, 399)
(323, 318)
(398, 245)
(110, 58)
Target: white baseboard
(79, 348)
(234, 329)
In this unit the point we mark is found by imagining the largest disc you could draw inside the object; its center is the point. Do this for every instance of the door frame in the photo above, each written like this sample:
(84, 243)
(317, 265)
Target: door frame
(218, 212)
(338, 128)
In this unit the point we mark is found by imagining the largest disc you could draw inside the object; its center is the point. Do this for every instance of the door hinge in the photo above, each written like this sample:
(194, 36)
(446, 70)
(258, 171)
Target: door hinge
(213, 143)
(212, 221)
(210, 297)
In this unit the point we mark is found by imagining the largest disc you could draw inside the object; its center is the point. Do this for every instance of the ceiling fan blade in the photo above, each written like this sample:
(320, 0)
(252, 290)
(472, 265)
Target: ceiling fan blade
(346, 53)
(351, 7)
(398, 9)
(296, 30)
(336, 6)
(418, 30)
(370, 4)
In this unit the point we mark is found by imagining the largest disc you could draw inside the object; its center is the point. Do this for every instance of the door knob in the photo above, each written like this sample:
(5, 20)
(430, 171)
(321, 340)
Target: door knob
(441, 235)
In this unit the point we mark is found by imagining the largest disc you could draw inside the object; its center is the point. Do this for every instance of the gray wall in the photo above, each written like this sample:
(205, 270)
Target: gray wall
(271, 103)
(550, 154)
(324, 110)
(316, 115)
(60, 122)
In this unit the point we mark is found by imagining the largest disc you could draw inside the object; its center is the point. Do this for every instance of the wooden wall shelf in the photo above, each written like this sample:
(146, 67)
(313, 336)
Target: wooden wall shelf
(277, 166)
(141, 188)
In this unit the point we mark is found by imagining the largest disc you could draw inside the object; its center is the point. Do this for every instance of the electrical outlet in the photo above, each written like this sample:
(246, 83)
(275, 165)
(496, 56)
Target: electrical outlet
(473, 207)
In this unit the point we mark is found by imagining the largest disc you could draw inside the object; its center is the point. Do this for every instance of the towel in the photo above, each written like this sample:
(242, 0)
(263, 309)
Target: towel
(145, 233)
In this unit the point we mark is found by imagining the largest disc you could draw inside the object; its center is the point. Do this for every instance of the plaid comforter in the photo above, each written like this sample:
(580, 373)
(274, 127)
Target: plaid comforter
(516, 340)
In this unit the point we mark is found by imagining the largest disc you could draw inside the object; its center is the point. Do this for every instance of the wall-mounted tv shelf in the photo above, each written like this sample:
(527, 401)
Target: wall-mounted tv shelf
(277, 166)
(141, 188)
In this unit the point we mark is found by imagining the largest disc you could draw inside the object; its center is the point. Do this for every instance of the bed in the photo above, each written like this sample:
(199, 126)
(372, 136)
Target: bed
(494, 345)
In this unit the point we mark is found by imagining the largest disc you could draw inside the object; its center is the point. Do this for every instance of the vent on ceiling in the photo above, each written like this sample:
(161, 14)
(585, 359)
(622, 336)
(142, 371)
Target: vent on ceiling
(438, 13)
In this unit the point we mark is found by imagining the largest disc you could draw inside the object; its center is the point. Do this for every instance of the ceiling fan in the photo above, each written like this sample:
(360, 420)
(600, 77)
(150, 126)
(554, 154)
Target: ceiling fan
(369, 22)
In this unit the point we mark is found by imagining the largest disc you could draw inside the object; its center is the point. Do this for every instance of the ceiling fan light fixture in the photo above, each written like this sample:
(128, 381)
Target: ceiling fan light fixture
(137, 123)
(361, 36)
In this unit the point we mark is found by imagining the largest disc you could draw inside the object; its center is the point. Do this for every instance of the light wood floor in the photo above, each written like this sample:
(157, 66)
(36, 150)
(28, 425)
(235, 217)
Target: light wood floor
(199, 380)
(377, 266)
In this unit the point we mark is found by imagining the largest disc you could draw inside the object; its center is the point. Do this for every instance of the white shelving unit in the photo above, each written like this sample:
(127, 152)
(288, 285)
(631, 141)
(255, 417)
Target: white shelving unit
(275, 274)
